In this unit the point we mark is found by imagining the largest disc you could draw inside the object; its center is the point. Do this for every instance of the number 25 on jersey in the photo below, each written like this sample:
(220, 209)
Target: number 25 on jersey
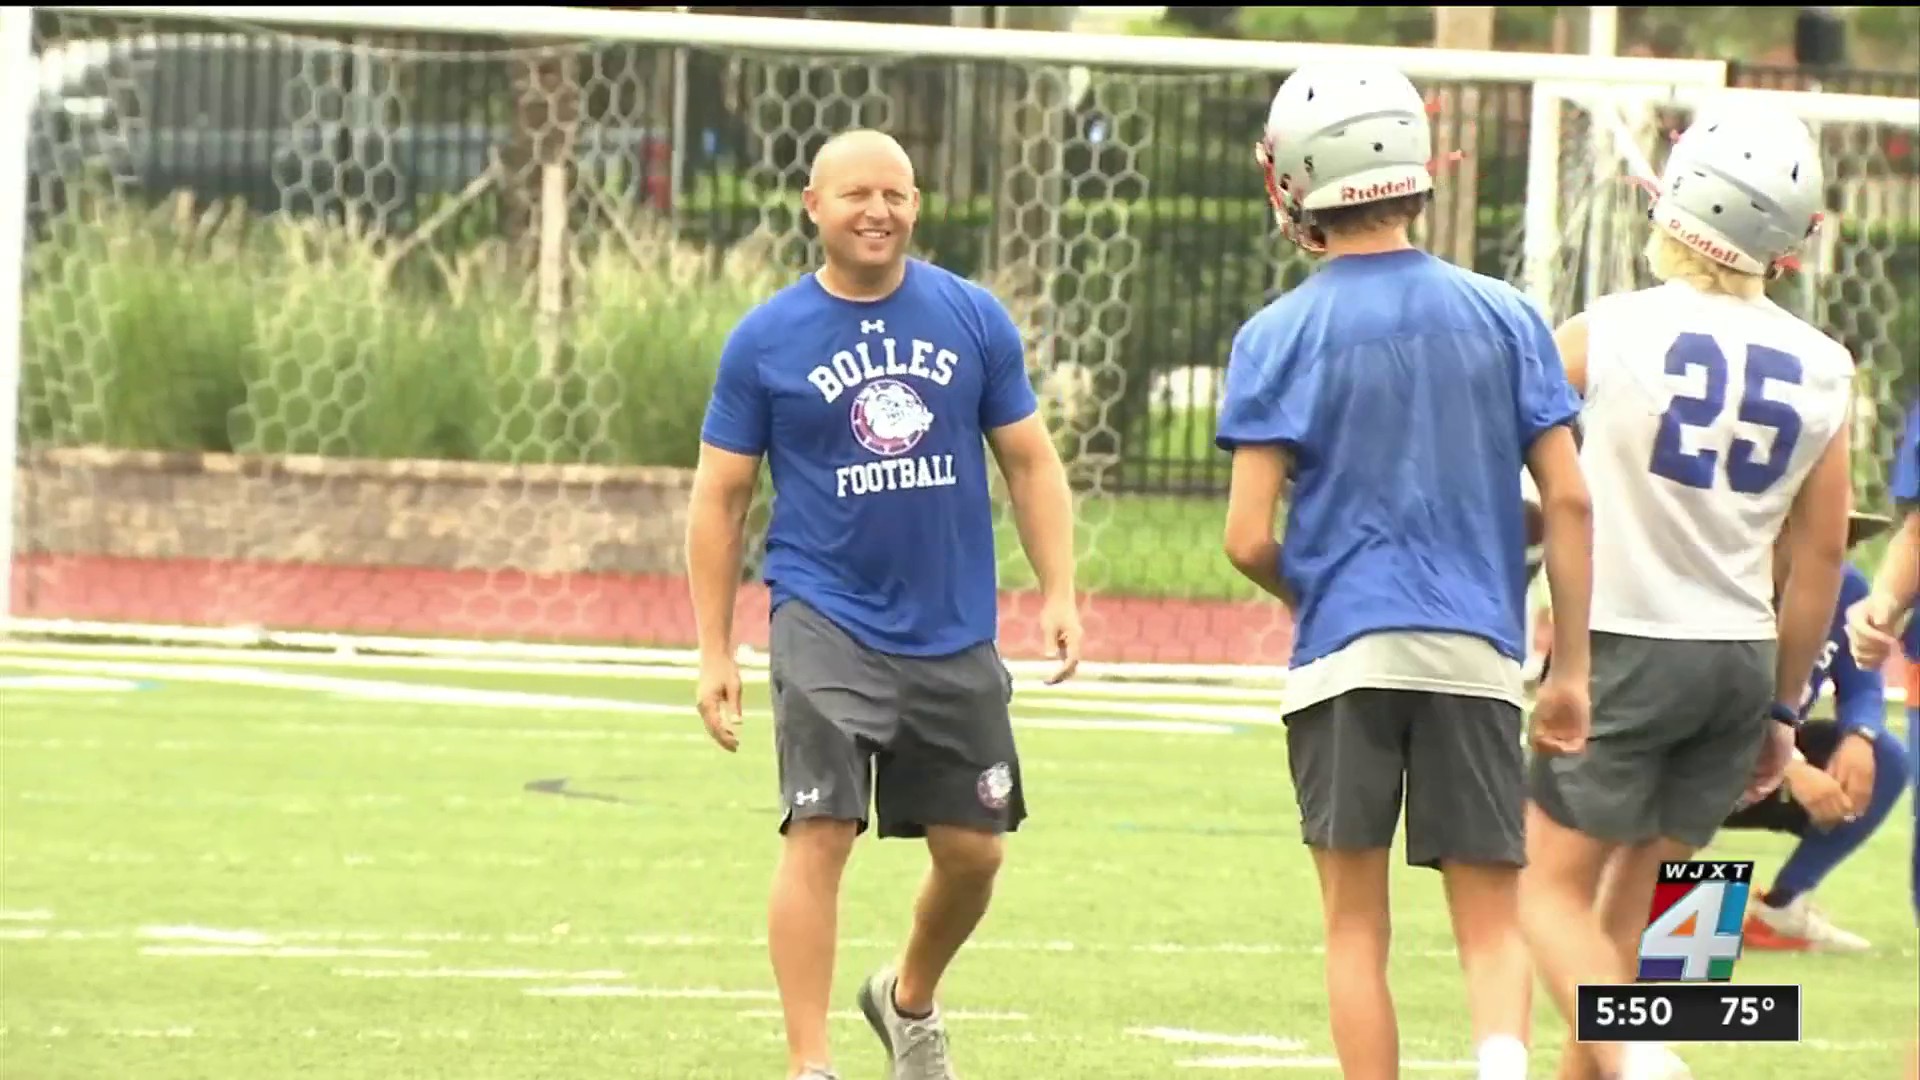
(1747, 472)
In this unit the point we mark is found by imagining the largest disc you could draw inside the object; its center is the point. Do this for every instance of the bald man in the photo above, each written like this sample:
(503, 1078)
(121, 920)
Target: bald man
(872, 386)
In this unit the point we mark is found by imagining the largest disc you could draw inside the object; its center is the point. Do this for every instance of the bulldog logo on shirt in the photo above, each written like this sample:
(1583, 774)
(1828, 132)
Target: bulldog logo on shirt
(889, 418)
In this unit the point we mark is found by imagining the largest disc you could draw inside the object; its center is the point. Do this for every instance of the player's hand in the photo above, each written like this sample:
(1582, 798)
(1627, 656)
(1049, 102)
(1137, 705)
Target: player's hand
(1060, 629)
(719, 699)
(1562, 715)
(1852, 769)
(1775, 755)
(1823, 797)
(1869, 634)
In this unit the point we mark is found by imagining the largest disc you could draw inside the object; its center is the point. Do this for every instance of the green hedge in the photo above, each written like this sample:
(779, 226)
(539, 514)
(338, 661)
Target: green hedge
(225, 333)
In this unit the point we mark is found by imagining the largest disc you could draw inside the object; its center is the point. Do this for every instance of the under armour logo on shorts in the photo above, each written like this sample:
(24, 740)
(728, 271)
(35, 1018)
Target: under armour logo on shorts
(874, 326)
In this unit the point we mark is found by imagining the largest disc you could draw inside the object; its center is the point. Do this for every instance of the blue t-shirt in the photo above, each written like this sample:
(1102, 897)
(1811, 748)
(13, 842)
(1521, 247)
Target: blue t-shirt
(1859, 697)
(1407, 391)
(1903, 484)
(872, 416)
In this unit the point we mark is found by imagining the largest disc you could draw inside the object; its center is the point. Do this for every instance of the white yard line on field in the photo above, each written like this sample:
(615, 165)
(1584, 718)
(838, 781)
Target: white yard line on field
(251, 641)
(968, 1015)
(1163, 718)
(279, 952)
(201, 941)
(693, 993)
(498, 974)
(1415, 1065)
(1027, 686)
(1188, 1037)
(30, 915)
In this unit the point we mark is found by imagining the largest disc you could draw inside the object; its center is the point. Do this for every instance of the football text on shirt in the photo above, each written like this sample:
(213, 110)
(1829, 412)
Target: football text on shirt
(887, 414)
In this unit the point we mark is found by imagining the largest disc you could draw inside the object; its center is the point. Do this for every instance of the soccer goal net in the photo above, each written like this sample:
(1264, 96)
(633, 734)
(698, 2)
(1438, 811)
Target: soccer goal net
(395, 327)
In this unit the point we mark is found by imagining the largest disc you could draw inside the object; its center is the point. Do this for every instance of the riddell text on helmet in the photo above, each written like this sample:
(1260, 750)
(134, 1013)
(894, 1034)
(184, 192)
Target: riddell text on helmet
(1350, 194)
(1705, 245)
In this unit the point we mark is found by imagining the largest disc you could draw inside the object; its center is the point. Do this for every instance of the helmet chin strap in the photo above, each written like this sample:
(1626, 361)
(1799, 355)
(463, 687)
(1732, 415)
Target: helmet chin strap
(1298, 229)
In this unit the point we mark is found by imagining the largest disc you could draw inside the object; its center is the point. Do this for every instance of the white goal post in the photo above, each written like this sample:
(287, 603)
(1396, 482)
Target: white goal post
(16, 87)
(536, 573)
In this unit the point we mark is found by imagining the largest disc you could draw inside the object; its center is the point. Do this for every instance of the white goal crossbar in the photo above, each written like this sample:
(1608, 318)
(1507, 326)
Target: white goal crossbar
(954, 42)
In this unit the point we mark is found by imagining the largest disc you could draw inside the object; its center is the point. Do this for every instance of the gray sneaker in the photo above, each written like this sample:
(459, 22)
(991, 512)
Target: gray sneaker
(818, 1072)
(918, 1047)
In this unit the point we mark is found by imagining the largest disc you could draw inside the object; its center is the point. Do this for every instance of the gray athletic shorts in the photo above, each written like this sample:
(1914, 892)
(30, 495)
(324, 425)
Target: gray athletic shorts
(1457, 760)
(927, 741)
(1677, 730)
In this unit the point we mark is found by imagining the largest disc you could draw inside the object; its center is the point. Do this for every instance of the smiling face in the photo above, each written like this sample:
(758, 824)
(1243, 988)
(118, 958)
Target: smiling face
(862, 198)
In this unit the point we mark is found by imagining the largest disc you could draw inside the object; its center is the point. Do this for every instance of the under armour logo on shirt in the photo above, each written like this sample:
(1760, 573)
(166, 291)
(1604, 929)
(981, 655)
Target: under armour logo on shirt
(875, 326)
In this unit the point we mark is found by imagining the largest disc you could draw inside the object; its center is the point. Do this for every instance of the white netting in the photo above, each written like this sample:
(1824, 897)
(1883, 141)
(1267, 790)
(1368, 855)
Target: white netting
(1860, 281)
(400, 335)
(358, 333)
(339, 329)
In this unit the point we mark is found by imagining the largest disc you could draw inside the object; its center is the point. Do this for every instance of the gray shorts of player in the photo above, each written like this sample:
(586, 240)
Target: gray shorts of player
(925, 741)
(1677, 730)
(1456, 760)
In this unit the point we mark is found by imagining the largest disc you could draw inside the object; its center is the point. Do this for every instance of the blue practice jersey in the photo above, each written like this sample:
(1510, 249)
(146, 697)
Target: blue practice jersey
(872, 417)
(1859, 697)
(1407, 392)
(1903, 483)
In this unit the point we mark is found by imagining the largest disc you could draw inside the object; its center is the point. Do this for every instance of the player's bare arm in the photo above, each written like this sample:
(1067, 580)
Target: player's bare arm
(1043, 513)
(1562, 712)
(1572, 339)
(1816, 562)
(723, 484)
(1259, 482)
(1873, 623)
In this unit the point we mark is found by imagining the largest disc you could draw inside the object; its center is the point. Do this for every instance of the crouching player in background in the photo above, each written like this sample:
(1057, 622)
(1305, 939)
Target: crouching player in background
(1846, 775)
(1872, 623)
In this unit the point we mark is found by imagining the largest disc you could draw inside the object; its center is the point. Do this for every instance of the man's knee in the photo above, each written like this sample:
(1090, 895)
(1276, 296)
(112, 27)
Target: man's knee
(965, 854)
(821, 841)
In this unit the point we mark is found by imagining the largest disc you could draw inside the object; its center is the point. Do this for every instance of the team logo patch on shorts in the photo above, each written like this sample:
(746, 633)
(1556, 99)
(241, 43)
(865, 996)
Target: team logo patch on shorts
(994, 787)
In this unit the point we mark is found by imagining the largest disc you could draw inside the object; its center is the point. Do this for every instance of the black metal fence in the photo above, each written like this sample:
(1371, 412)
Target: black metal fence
(1121, 207)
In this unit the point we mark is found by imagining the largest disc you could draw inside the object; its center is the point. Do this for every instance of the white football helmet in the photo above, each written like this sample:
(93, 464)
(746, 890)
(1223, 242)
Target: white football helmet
(1343, 135)
(1742, 187)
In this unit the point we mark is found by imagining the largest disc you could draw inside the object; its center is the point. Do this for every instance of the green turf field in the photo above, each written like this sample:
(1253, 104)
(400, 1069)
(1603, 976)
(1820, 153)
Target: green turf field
(246, 869)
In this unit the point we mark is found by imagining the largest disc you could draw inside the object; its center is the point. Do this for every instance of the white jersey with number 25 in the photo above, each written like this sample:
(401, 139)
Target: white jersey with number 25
(1704, 415)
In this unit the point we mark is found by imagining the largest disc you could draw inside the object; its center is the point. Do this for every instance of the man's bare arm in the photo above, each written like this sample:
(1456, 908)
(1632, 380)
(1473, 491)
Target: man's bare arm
(1253, 499)
(1042, 501)
(1816, 563)
(723, 484)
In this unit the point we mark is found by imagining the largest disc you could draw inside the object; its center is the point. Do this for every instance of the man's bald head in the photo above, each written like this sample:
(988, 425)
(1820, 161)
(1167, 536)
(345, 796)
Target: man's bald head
(856, 149)
(861, 197)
